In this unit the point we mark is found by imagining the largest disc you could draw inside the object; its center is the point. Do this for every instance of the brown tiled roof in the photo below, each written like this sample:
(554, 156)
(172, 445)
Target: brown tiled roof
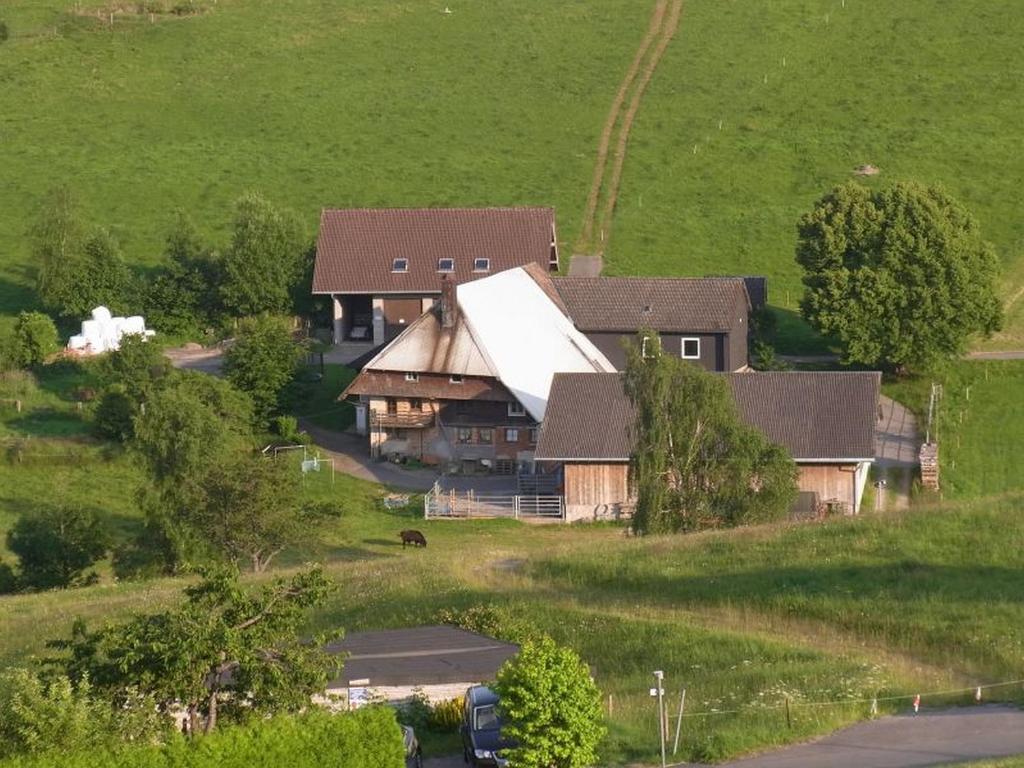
(663, 304)
(356, 247)
(429, 386)
(819, 415)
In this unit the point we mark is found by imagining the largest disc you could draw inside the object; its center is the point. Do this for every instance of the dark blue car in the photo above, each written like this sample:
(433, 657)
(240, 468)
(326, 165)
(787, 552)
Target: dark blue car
(482, 743)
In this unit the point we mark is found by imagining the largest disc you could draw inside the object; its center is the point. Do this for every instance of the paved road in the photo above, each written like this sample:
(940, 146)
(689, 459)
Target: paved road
(350, 456)
(907, 741)
(896, 445)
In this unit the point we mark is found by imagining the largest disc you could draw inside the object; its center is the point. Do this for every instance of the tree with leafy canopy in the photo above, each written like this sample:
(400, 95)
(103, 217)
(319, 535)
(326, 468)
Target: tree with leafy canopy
(901, 276)
(696, 464)
(265, 259)
(190, 423)
(248, 509)
(184, 297)
(226, 652)
(78, 268)
(263, 361)
(550, 707)
(56, 545)
(128, 374)
(35, 338)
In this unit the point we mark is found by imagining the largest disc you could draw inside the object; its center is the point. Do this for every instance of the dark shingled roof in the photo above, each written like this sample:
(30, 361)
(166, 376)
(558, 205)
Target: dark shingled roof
(356, 248)
(420, 656)
(663, 304)
(820, 415)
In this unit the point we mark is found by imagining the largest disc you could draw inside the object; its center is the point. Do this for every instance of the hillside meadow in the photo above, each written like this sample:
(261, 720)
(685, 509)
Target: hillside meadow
(755, 110)
(839, 612)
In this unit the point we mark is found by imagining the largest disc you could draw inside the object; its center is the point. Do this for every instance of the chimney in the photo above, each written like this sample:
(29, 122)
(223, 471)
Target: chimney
(449, 308)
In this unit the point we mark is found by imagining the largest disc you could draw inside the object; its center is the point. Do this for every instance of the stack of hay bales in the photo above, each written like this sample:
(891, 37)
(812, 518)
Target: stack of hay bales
(103, 333)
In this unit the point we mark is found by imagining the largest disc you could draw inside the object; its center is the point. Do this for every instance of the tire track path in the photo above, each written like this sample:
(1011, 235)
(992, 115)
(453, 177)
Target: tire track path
(664, 24)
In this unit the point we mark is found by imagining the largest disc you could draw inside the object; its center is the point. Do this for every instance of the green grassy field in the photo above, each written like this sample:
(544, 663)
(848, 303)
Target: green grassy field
(980, 424)
(365, 102)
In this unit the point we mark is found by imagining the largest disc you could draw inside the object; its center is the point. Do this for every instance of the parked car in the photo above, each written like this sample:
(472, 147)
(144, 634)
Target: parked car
(482, 742)
(413, 753)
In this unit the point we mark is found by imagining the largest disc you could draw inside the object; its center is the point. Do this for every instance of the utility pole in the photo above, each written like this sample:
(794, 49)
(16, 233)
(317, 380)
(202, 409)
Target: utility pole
(659, 691)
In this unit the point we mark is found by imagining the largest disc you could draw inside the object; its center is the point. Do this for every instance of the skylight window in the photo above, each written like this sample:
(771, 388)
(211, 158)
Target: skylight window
(481, 265)
(400, 265)
(446, 265)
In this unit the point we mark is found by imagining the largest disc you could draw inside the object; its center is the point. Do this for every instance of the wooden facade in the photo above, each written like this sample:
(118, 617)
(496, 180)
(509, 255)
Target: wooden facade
(597, 490)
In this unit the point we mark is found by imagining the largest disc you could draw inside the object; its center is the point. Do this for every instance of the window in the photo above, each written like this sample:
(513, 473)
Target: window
(481, 265)
(516, 409)
(486, 435)
(511, 435)
(647, 347)
(534, 434)
(400, 265)
(455, 379)
(464, 435)
(446, 265)
(392, 405)
(486, 719)
(416, 404)
(412, 376)
(691, 349)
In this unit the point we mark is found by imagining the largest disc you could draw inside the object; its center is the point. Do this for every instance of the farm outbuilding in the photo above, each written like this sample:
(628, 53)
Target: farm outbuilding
(394, 664)
(826, 420)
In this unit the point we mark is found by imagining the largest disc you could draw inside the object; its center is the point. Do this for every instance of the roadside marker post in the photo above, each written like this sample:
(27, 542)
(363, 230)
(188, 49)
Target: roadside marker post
(659, 691)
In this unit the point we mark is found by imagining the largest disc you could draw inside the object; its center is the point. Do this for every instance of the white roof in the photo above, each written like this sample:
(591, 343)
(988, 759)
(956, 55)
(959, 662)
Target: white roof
(426, 347)
(525, 337)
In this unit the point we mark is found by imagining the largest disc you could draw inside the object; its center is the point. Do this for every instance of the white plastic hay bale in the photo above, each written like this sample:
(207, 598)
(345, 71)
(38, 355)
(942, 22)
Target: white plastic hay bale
(134, 324)
(101, 313)
(78, 341)
(92, 329)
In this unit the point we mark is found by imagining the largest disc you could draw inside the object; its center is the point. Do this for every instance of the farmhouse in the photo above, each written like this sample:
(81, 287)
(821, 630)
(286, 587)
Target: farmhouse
(825, 420)
(704, 320)
(383, 267)
(391, 664)
(466, 384)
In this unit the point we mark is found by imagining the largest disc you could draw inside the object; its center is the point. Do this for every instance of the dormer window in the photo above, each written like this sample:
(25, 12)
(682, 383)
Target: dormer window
(400, 265)
(455, 379)
(515, 408)
(481, 265)
(412, 377)
(446, 265)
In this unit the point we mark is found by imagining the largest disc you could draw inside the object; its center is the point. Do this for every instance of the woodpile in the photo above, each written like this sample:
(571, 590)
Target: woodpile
(928, 457)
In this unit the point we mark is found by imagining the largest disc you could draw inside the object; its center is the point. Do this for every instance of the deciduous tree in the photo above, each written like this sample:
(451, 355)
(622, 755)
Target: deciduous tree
(263, 361)
(35, 338)
(265, 259)
(56, 545)
(695, 463)
(550, 707)
(901, 277)
(225, 651)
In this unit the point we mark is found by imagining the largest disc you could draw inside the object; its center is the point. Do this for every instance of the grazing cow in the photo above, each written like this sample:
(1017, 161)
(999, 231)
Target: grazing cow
(413, 537)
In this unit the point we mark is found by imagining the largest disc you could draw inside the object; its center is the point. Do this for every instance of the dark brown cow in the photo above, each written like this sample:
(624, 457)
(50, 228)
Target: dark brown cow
(413, 537)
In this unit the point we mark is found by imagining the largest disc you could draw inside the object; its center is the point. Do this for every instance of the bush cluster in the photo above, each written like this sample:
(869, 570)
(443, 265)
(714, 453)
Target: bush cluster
(367, 738)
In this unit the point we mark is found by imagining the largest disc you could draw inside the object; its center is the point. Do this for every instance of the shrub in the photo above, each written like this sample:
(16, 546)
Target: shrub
(551, 706)
(366, 738)
(490, 620)
(8, 580)
(18, 384)
(114, 415)
(5, 31)
(56, 546)
(35, 338)
(445, 716)
(286, 427)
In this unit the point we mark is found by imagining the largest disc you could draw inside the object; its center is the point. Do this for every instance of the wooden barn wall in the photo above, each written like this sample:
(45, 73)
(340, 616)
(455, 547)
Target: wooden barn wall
(829, 481)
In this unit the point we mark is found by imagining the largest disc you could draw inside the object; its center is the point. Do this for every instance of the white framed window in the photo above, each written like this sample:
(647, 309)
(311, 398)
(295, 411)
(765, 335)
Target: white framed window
(690, 348)
(400, 265)
(455, 379)
(446, 265)
(511, 435)
(481, 265)
(515, 408)
(534, 434)
(412, 377)
(648, 347)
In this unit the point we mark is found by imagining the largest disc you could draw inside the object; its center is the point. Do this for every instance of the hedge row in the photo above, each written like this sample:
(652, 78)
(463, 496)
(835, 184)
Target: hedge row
(366, 738)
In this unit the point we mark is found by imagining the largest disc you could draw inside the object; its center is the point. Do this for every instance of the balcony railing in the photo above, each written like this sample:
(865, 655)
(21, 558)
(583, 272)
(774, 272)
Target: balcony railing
(407, 420)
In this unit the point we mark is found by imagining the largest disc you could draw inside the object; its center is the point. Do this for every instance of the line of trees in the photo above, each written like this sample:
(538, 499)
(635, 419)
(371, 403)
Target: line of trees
(265, 268)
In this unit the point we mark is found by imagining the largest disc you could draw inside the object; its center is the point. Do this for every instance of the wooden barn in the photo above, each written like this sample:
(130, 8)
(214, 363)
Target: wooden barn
(825, 420)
